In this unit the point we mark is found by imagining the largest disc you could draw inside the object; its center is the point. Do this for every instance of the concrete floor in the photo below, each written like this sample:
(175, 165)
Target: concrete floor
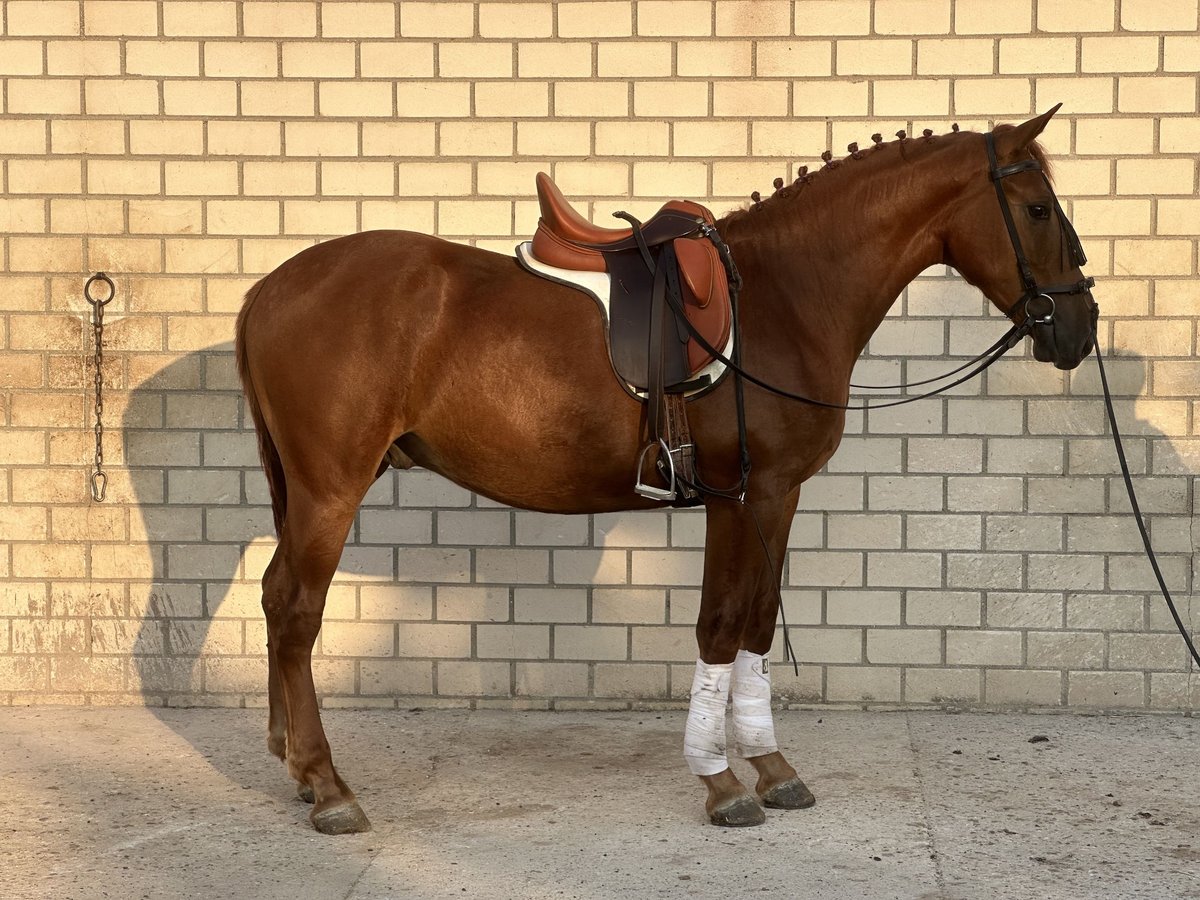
(131, 803)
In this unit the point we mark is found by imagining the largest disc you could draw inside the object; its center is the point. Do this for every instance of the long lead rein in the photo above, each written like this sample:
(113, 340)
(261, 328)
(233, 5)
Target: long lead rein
(989, 356)
(1135, 508)
(1002, 346)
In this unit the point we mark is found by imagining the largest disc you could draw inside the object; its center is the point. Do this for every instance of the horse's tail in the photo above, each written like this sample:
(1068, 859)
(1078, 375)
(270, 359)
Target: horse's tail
(272, 465)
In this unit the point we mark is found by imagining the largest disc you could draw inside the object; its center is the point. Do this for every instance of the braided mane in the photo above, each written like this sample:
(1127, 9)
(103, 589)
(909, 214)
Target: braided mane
(908, 147)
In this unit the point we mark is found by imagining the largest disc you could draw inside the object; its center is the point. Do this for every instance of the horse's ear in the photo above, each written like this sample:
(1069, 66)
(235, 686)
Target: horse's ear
(1011, 141)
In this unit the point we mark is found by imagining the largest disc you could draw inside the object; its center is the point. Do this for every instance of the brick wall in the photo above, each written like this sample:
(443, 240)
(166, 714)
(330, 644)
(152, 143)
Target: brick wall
(966, 550)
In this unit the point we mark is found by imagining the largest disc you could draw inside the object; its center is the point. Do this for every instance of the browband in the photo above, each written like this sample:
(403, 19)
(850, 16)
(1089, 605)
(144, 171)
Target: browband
(1025, 165)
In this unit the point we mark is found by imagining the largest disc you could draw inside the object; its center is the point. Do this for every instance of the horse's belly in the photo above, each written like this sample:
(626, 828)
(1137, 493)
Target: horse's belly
(541, 458)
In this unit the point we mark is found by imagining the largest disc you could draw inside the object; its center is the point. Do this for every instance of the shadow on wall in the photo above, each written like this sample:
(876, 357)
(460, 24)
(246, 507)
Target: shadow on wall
(207, 521)
(207, 524)
(206, 516)
(187, 453)
(1140, 634)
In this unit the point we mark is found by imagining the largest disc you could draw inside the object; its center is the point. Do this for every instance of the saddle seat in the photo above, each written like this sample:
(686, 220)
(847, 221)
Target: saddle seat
(567, 240)
(564, 221)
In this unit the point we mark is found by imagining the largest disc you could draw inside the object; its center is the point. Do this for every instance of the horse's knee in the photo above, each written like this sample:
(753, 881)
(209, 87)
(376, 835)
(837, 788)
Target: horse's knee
(718, 633)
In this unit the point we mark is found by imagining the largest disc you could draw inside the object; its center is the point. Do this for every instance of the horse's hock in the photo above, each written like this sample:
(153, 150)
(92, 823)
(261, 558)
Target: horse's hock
(966, 551)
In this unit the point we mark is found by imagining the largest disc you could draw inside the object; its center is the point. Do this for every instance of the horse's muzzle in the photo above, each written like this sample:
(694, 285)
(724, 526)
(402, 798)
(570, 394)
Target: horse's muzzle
(1068, 339)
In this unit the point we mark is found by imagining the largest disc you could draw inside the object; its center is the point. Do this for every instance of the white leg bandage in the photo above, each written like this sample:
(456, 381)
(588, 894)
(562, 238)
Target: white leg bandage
(753, 725)
(704, 736)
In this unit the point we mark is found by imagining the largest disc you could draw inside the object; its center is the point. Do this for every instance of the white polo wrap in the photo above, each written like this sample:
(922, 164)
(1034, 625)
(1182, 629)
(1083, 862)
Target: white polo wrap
(704, 736)
(753, 724)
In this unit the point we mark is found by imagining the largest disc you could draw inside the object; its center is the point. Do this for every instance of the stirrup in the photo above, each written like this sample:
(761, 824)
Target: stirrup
(664, 495)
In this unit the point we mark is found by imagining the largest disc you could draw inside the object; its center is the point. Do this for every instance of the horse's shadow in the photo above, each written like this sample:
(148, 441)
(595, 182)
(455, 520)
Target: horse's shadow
(206, 525)
(1166, 476)
(202, 522)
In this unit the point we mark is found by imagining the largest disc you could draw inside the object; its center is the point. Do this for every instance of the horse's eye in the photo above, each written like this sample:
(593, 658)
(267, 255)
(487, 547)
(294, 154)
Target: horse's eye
(1039, 211)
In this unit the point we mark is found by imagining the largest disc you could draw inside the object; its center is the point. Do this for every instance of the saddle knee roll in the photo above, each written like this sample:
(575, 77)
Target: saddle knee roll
(753, 722)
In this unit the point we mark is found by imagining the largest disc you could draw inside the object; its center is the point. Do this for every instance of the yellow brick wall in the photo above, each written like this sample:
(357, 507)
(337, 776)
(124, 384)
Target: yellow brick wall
(966, 551)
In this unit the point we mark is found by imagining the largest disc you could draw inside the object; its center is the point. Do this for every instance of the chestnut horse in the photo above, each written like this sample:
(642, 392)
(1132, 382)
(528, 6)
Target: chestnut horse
(500, 381)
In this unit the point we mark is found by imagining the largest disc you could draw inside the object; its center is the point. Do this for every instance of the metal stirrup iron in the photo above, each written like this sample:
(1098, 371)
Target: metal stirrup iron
(648, 490)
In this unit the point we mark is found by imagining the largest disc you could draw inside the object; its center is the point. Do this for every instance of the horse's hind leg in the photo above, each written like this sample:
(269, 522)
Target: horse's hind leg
(276, 707)
(277, 720)
(294, 592)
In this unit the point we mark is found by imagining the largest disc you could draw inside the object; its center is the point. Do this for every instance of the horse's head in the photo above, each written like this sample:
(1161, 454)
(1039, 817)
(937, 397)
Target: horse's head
(1011, 239)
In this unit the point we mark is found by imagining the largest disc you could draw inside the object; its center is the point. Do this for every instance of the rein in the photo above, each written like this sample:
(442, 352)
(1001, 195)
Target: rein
(1032, 292)
(1135, 509)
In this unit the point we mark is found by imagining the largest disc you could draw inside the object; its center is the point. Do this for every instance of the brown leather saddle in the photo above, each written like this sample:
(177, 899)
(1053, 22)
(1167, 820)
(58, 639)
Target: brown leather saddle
(673, 235)
(667, 281)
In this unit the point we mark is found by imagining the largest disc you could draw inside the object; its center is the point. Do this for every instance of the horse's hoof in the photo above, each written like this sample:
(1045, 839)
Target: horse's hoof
(790, 794)
(345, 819)
(740, 812)
(304, 792)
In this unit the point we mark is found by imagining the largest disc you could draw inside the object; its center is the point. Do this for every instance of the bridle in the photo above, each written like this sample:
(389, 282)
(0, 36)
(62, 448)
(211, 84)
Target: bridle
(1032, 319)
(1032, 290)
(1032, 293)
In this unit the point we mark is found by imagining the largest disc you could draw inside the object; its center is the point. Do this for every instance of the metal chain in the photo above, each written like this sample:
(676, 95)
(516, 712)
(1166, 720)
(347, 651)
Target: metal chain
(99, 480)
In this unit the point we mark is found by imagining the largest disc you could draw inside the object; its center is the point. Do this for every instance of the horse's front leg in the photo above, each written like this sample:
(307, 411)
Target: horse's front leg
(778, 784)
(737, 578)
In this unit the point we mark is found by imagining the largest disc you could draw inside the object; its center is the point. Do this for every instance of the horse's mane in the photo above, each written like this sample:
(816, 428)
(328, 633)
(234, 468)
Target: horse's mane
(880, 151)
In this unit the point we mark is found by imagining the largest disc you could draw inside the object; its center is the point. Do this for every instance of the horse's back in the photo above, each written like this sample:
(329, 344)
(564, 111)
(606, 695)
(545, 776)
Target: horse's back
(371, 266)
(377, 296)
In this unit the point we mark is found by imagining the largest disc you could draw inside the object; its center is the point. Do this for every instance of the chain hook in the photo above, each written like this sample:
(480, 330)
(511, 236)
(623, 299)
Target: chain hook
(99, 485)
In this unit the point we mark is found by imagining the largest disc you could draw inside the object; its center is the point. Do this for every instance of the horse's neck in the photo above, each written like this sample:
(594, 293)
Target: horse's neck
(824, 270)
